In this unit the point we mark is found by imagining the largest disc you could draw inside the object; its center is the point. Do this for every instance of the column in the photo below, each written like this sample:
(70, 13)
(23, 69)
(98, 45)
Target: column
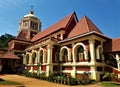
(94, 74)
(92, 50)
(73, 56)
(30, 62)
(73, 73)
(49, 60)
(118, 64)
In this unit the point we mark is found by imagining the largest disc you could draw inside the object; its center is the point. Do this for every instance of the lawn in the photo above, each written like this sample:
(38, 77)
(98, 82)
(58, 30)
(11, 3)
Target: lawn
(110, 84)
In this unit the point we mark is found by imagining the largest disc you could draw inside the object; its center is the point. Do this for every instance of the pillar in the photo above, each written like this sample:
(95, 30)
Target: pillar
(30, 62)
(49, 60)
(92, 50)
(73, 73)
(118, 64)
(94, 74)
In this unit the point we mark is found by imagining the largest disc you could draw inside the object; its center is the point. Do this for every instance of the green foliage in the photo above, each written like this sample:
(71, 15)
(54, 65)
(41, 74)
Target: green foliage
(110, 84)
(109, 75)
(4, 40)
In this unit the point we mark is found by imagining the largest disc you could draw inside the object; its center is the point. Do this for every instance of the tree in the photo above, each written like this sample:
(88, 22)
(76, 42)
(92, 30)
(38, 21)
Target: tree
(4, 39)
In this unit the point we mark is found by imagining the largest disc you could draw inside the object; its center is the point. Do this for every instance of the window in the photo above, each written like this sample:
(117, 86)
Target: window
(57, 56)
(25, 23)
(41, 56)
(65, 55)
(33, 58)
(27, 59)
(99, 54)
(34, 25)
(80, 53)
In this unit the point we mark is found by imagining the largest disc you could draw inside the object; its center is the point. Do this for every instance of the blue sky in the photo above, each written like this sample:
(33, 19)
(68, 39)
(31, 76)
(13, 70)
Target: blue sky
(105, 14)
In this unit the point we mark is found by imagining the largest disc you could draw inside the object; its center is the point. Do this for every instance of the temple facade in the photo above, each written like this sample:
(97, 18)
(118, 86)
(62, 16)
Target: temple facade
(70, 46)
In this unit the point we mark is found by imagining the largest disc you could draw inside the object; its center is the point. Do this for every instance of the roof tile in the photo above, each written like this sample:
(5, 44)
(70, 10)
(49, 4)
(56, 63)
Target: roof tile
(83, 26)
(112, 45)
(9, 55)
(57, 26)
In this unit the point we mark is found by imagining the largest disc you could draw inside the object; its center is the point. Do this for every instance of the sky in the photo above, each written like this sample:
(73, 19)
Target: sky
(105, 14)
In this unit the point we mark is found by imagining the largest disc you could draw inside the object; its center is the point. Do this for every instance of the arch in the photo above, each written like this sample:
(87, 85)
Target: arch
(65, 52)
(99, 52)
(34, 55)
(27, 59)
(42, 56)
(79, 50)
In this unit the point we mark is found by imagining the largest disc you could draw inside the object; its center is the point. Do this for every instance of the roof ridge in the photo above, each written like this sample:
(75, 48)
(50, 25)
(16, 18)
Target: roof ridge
(85, 17)
(95, 28)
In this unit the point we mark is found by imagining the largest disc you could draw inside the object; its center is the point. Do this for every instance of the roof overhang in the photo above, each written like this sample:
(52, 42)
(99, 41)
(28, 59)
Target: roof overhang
(83, 35)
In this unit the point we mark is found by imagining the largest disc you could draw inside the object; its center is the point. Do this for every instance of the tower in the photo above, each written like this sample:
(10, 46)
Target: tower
(29, 25)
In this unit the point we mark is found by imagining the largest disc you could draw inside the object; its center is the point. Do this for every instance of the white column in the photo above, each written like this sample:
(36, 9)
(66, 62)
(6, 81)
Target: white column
(73, 56)
(94, 74)
(73, 73)
(30, 62)
(118, 63)
(49, 60)
(92, 50)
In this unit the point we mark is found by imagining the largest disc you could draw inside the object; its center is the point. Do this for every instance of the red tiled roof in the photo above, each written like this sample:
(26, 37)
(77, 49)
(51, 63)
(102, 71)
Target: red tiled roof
(57, 26)
(112, 45)
(83, 26)
(9, 55)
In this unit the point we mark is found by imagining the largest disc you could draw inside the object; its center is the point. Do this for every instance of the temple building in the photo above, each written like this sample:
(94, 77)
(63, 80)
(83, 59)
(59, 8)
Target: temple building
(70, 46)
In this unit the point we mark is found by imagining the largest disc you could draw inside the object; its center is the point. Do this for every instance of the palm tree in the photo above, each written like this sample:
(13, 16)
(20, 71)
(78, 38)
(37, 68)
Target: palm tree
(109, 75)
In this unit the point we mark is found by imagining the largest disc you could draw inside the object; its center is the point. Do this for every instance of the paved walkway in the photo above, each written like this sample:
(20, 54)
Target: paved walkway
(30, 82)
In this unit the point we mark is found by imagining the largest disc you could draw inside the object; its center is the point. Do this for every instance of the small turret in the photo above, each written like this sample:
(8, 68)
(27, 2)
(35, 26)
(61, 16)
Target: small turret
(29, 25)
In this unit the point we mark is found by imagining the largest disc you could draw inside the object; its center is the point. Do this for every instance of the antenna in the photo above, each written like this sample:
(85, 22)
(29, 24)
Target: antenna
(31, 10)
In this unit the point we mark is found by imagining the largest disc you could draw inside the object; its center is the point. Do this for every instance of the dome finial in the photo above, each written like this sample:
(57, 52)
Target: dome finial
(31, 10)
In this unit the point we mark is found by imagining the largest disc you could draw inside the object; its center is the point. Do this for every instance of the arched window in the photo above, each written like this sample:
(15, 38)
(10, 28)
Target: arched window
(27, 59)
(57, 57)
(65, 55)
(99, 54)
(33, 58)
(41, 57)
(80, 53)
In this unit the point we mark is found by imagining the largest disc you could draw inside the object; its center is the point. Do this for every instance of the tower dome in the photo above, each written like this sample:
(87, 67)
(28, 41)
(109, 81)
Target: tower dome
(31, 14)
(29, 25)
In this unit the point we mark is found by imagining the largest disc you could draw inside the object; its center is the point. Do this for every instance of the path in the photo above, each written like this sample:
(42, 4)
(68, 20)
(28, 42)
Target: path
(30, 82)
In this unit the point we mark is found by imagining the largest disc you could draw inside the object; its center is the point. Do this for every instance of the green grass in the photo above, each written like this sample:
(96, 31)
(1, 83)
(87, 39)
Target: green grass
(9, 83)
(110, 84)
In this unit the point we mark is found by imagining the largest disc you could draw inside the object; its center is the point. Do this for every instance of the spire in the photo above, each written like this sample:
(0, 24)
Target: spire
(31, 10)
